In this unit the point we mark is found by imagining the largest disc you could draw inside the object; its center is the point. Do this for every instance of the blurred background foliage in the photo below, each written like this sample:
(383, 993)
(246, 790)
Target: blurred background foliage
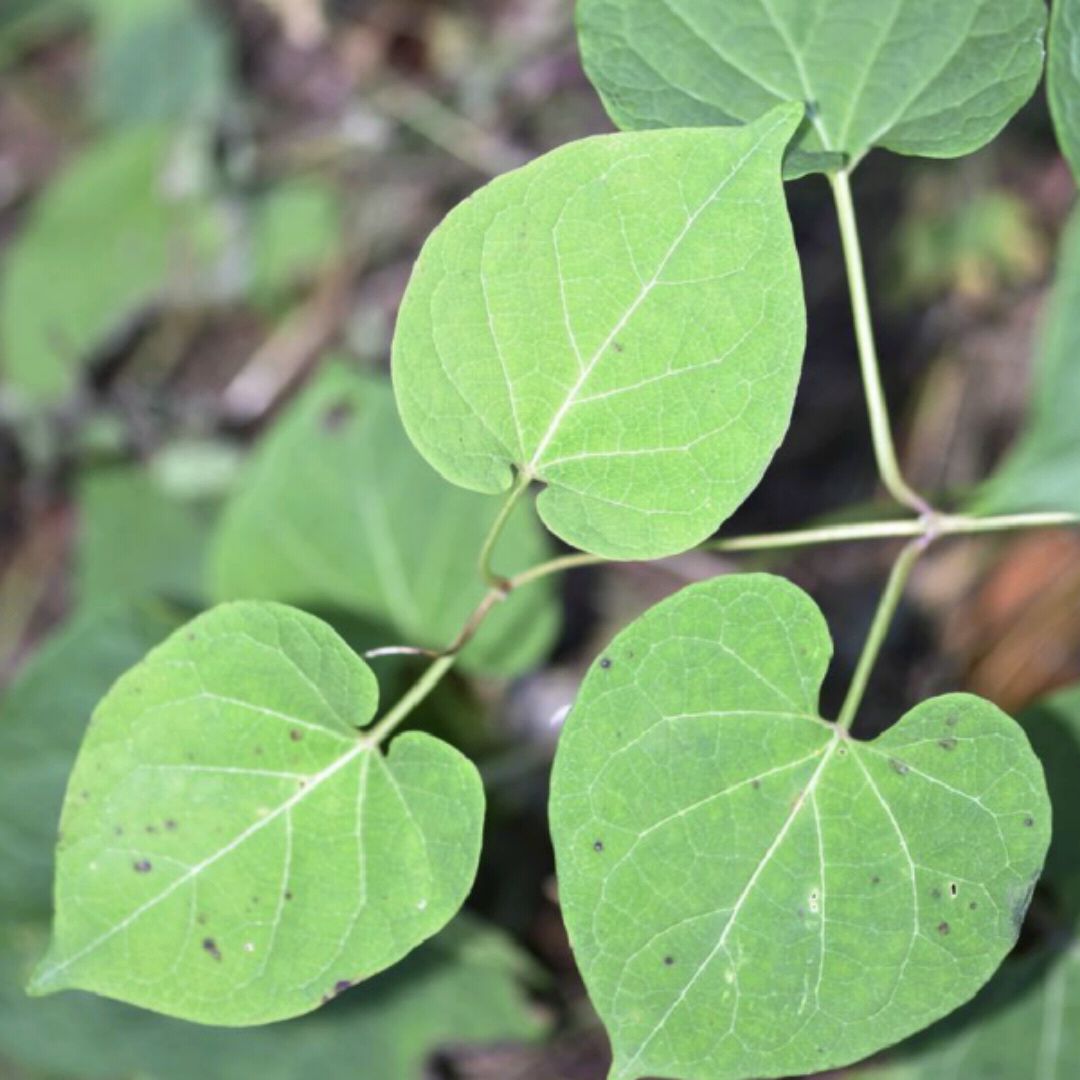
(208, 212)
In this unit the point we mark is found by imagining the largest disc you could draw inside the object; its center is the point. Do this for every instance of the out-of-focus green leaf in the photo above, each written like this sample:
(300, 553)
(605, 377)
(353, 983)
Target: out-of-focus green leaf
(24, 22)
(1063, 77)
(339, 512)
(42, 719)
(104, 241)
(297, 228)
(137, 540)
(157, 62)
(465, 986)
(1042, 470)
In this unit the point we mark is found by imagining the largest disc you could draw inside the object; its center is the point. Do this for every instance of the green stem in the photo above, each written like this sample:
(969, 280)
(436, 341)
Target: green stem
(879, 628)
(413, 697)
(496, 581)
(881, 432)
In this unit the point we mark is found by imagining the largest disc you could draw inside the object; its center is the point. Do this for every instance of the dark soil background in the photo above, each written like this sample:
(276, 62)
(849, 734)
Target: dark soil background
(409, 105)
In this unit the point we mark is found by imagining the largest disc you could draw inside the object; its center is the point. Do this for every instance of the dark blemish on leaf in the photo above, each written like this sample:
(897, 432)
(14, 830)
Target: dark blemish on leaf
(258, 751)
(84, 794)
(812, 112)
(875, 880)
(605, 663)
(341, 986)
(801, 913)
(296, 734)
(192, 637)
(755, 784)
(288, 895)
(337, 415)
(936, 894)
(1029, 822)
(943, 928)
(842, 752)
(618, 346)
(151, 829)
(898, 766)
(953, 889)
(973, 906)
(200, 919)
(598, 845)
(947, 744)
(301, 784)
(952, 720)
(142, 866)
(669, 960)
(118, 830)
(210, 946)
(171, 825)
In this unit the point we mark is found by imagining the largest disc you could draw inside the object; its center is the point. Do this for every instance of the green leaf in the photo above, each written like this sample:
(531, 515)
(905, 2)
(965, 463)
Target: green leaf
(621, 320)
(465, 986)
(104, 241)
(1040, 472)
(1063, 78)
(233, 851)
(1026, 1023)
(749, 891)
(157, 62)
(42, 719)
(297, 228)
(136, 540)
(936, 78)
(339, 512)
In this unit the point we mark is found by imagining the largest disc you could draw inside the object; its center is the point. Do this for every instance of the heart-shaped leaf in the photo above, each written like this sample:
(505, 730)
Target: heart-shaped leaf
(749, 891)
(937, 78)
(1063, 78)
(233, 850)
(621, 320)
(339, 512)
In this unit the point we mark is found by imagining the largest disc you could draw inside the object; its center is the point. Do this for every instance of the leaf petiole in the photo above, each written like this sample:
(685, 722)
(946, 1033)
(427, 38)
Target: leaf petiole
(880, 430)
(879, 628)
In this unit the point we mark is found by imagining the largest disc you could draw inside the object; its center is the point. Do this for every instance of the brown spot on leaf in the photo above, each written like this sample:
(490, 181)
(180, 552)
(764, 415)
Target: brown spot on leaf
(943, 928)
(1029, 822)
(296, 734)
(669, 960)
(142, 866)
(947, 744)
(210, 947)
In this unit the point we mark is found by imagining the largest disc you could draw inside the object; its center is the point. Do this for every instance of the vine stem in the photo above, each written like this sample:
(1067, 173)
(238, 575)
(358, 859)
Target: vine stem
(492, 579)
(879, 628)
(921, 531)
(412, 698)
(880, 430)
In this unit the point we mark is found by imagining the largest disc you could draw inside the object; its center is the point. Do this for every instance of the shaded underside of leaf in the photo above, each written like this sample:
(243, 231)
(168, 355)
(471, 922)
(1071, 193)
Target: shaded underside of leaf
(937, 78)
(339, 512)
(233, 850)
(621, 320)
(1040, 472)
(1063, 78)
(752, 893)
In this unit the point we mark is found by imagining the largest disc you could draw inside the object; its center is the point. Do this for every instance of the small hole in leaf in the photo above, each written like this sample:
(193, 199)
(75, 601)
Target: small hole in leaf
(953, 889)
(598, 845)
